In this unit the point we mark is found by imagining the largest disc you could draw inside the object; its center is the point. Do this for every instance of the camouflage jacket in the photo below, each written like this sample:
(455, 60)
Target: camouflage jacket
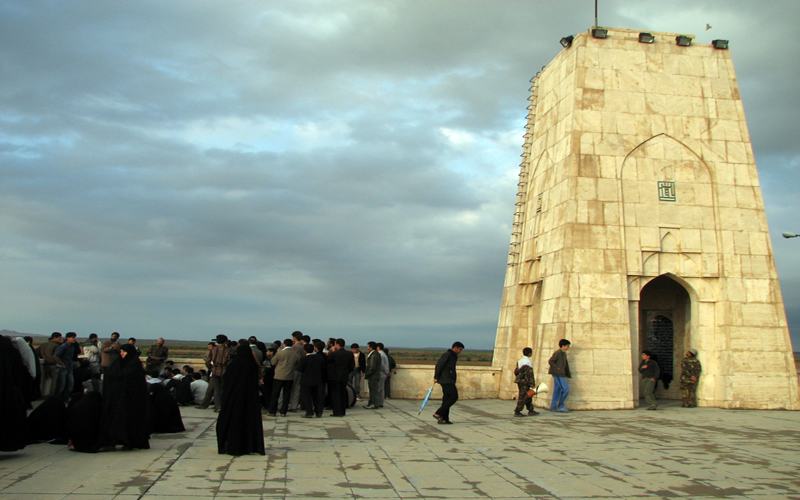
(525, 376)
(690, 367)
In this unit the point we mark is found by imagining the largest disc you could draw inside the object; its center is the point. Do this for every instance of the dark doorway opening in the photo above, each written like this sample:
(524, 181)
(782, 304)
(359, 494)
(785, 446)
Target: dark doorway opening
(664, 328)
(661, 342)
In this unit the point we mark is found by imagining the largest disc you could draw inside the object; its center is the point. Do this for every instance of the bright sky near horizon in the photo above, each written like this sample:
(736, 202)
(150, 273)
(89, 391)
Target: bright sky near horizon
(344, 168)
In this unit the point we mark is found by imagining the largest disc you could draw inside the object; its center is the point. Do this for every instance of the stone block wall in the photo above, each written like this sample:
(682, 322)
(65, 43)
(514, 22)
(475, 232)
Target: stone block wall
(474, 382)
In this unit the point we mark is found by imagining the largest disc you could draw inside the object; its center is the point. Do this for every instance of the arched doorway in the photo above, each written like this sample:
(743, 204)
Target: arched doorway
(664, 328)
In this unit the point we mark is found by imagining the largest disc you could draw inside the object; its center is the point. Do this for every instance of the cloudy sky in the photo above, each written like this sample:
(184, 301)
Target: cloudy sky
(346, 168)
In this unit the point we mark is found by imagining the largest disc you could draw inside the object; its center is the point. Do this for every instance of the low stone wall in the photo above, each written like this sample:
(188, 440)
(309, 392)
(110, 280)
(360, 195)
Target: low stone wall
(412, 381)
(196, 363)
(474, 382)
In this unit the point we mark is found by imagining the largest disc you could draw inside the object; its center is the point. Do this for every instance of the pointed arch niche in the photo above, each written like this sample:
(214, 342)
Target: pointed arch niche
(669, 211)
(665, 327)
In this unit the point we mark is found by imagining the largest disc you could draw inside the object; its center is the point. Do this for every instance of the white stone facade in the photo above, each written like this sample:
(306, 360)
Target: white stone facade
(639, 205)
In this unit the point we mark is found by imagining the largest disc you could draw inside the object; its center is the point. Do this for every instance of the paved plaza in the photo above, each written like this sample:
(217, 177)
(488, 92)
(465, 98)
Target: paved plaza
(394, 453)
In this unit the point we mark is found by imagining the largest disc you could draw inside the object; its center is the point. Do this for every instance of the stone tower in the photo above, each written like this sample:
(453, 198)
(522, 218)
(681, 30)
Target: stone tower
(639, 224)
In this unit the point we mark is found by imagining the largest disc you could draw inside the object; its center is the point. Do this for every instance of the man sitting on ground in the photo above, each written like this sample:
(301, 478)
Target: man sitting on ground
(199, 388)
(181, 386)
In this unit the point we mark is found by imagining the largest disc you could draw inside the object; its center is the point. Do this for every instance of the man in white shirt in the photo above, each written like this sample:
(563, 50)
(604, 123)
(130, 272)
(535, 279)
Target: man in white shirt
(199, 388)
(92, 351)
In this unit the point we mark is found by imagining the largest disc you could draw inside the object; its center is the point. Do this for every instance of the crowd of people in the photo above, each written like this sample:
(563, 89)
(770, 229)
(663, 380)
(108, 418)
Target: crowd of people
(298, 374)
(100, 395)
(289, 382)
(96, 395)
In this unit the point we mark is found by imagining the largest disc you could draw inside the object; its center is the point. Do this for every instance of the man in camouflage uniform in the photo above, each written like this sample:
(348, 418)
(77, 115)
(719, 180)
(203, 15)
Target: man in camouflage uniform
(690, 373)
(525, 379)
(156, 356)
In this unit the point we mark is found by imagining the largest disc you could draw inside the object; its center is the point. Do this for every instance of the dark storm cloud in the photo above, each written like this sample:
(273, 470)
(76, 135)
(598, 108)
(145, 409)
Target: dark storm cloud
(348, 168)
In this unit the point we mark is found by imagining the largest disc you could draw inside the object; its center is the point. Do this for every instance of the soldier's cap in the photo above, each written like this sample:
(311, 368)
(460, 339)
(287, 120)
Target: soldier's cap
(693, 351)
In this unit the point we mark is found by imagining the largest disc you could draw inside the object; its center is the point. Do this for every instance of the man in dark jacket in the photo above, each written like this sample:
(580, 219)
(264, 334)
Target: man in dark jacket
(445, 375)
(650, 371)
(387, 384)
(312, 375)
(373, 376)
(559, 369)
(181, 387)
(340, 364)
(64, 366)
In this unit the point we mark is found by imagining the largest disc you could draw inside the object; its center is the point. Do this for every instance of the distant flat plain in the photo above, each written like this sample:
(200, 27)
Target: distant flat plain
(196, 349)
(425, 356)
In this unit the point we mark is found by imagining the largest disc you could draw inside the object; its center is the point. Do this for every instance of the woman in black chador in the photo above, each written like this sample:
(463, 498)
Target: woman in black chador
(126, 405)
(84, 416)
(13, 429)
(165, 415)
(239, 429)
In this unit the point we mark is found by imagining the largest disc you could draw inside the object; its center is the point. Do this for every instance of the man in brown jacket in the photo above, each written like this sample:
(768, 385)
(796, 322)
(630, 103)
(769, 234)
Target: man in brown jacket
(297, 347)
(210, 389)
(218, 362)
(559, 369)
(46, 352)
(284, 364)
(109, 351)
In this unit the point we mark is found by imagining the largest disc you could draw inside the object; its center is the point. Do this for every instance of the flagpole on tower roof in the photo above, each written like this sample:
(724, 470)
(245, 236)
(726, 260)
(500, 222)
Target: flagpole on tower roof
(595, 13)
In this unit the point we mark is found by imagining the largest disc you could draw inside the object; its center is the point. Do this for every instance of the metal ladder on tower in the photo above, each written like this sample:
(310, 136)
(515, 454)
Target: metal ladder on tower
(522, 185)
